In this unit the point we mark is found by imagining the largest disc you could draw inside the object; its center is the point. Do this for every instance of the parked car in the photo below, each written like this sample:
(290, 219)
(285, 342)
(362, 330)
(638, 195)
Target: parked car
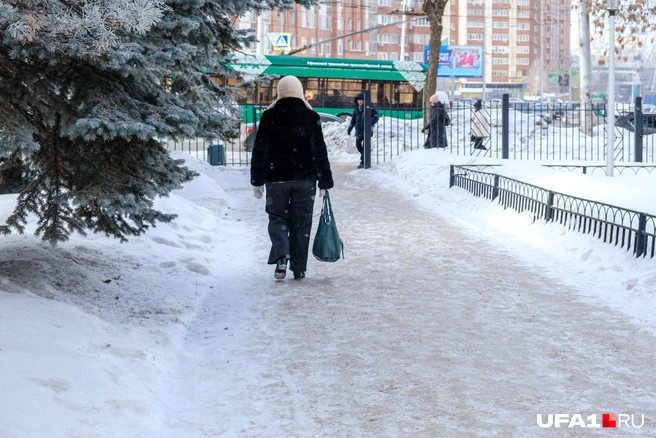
(543, 110)
(444, 98)
(627, 121)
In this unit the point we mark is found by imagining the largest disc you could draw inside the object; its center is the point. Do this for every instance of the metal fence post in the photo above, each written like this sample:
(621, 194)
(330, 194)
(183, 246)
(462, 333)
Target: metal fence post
(641, 237)
(548, 214)
(452, 176)
(367, 130)
(639, 125)
(505, 126)
(495, 189)
(254, 121)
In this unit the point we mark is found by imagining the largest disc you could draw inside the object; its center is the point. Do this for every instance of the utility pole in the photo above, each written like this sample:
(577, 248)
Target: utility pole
(484, 59)
(541, 49)
(585, 69)
(610, 111)
(405, 11)
(403, 30)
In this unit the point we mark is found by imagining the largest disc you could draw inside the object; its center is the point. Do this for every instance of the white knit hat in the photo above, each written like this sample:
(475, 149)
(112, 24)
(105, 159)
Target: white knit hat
(290, 86)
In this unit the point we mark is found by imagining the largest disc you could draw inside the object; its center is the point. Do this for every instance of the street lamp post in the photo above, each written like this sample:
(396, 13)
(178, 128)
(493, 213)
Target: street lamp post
(542, 50)
(484, 70)
(610, 113)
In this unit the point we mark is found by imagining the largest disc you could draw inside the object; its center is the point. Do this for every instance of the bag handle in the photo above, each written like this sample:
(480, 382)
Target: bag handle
(326, 209)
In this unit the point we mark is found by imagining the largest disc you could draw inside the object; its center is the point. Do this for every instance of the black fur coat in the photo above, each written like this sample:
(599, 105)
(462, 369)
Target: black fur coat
(289, 146)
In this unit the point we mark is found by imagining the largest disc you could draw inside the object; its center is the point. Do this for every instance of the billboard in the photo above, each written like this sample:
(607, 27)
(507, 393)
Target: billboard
(459, 61)
(562, 78)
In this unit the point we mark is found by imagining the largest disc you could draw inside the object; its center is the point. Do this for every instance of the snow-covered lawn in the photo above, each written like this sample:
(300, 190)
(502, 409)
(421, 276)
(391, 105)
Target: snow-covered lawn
(449, 316)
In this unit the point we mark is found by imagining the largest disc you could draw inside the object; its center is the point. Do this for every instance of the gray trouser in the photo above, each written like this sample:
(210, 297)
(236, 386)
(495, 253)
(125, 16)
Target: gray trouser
(290, 205)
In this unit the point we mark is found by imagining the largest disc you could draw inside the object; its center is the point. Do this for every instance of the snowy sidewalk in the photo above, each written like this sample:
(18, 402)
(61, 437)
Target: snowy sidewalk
(424, 330)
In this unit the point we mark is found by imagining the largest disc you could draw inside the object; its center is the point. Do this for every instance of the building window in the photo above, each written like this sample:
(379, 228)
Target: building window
(500, 25)
(523, 49)
(420, 39)
(500, 12)
(500, 49)
(328, 49)
(340, 47)
(475, 36)
(303, 43)
(304, 18)
(418, 56)
(523, 61)
(499, 73)
(475, 24)
(325, 17)
(350, 45)
(523, 38)
(500, 61)
(524, 14)
(312, 18)
(350, 23)
(500, 37)
(523, 26)
(475, 11)
(313, 49)
(359, 46)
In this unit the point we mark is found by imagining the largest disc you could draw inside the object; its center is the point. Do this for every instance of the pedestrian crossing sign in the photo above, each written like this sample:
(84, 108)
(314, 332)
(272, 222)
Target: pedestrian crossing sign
(281, 40)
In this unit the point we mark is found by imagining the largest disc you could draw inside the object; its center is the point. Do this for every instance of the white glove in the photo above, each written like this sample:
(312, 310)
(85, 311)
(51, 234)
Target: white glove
(322, 192)
(258, 191)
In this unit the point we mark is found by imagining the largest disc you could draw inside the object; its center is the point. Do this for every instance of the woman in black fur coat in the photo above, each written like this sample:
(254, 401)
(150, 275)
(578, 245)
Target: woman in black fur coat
(289, 157)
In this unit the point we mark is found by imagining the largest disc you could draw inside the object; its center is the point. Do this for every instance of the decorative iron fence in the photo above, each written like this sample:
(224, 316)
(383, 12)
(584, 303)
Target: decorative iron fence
(520, 131)
(592, 169)
(628, 229)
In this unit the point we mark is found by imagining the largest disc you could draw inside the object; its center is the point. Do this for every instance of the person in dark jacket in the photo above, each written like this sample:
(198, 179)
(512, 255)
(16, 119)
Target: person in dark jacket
(357, 122)
(289, 157)
(436, 126)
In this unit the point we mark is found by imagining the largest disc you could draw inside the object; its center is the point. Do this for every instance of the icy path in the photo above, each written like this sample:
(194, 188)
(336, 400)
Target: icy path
(423, 331)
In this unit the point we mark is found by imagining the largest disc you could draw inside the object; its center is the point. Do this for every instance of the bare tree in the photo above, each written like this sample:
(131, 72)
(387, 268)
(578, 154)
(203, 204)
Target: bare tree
(633, 25)
(434, 10)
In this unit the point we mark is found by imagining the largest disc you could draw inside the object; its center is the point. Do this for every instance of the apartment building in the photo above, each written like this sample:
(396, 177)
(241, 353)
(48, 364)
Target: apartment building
(523, 40)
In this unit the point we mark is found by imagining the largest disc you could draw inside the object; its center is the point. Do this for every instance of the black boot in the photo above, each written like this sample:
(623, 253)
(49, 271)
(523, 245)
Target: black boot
(281, 268)
(299, 275)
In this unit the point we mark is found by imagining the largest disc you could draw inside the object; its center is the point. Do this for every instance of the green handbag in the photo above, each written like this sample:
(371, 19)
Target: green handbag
(327, 244)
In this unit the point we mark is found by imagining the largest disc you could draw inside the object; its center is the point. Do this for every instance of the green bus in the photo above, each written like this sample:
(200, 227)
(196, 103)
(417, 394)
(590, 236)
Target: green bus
(331, 84)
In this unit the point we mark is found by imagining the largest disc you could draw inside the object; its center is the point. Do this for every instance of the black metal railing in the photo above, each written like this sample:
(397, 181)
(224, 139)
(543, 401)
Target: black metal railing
(592, 169)
(519, 131)
(632, 230)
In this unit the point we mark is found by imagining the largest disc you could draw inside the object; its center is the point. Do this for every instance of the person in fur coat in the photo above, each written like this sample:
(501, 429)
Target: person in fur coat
(436, 126)
(480, 125)
(289, 158)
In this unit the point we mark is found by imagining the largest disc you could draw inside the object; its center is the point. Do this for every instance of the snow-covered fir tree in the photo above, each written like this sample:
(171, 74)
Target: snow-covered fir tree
(88, 89)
